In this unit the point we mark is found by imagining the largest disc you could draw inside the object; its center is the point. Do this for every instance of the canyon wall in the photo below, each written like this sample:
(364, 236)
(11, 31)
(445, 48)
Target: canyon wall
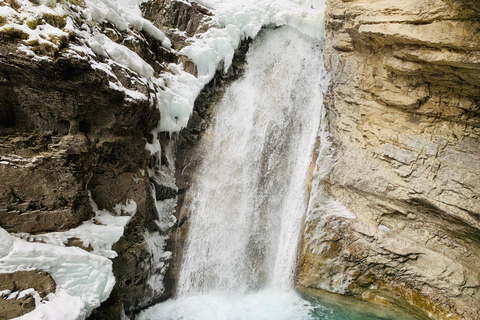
(74, 130)
(404, 121)
(69, 133)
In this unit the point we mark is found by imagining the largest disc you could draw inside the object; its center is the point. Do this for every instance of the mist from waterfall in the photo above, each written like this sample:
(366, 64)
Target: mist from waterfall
(250, 194)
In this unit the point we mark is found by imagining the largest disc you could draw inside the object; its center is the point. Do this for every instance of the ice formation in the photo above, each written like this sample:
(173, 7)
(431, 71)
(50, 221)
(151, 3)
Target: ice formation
(99, 233)
(234, 21)
(83, 279)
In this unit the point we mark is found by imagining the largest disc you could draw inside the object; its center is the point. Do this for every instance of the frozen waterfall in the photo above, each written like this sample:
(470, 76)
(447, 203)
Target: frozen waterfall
(251, 191)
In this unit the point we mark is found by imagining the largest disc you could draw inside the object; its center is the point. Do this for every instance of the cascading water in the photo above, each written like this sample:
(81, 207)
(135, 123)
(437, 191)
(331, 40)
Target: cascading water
(251, 191)
(250, 195)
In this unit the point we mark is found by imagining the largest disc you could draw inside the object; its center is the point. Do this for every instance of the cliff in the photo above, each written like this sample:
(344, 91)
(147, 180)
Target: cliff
(404, 123)
(79, 96)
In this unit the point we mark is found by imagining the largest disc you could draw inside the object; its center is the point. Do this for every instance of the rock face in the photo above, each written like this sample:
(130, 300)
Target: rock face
(65, 137)
(179, 20)
(66, 132)
(404, 117)
(17, 282)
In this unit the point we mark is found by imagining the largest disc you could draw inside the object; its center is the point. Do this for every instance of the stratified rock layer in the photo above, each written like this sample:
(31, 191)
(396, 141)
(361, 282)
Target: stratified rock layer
(66, 133)
(404, 117)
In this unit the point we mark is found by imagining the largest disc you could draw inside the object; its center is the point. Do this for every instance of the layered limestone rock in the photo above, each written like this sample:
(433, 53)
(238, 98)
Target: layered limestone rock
(404, 117)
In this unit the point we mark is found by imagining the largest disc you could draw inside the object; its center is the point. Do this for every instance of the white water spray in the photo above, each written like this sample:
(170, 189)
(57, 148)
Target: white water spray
(251, 192)
(250, 195)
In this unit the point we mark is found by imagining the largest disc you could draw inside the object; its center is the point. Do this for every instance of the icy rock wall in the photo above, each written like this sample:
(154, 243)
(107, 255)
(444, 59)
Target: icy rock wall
(404, 118)
(79, 96)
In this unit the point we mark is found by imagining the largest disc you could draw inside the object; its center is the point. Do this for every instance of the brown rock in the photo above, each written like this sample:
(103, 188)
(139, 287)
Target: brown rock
(13, 308)
(68, 133)
(42, 282)
(174, 17)
(18, 281)
(76, 242)
(405, 120)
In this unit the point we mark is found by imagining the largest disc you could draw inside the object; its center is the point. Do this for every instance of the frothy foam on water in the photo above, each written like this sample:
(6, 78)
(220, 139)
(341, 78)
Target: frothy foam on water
(263, 305)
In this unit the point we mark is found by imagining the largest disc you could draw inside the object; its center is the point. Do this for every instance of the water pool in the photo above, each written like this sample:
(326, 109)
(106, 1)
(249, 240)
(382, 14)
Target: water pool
(271, 304)
(328, 306)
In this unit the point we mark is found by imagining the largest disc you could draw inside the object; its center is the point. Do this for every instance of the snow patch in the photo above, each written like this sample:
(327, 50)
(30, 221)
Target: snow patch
(103, 46)
(59, 306)
(122, 14)
(84, 280)
(26, 17)
(100, 233)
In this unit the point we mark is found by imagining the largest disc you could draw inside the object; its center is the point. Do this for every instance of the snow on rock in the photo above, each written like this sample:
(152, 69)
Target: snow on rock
(234, 20)
(83, 279)
(100, 233)
(60, 306)
(103, 46)
(30, 292)
(122, 14)
(32, 20)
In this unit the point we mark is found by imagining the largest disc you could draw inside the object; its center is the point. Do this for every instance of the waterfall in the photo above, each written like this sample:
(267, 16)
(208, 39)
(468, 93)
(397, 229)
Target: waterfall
(250, 195)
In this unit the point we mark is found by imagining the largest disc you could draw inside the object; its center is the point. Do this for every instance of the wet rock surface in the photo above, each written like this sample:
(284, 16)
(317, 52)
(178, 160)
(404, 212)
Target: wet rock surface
(405, 123)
